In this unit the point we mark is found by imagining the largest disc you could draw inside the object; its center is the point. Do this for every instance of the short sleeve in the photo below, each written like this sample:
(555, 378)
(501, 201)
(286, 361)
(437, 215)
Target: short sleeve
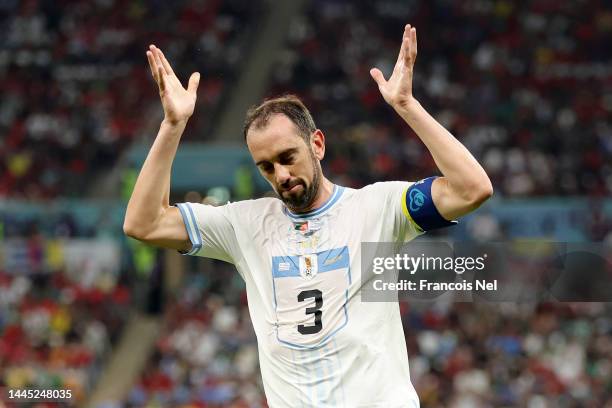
(210, 230)
(389, 197)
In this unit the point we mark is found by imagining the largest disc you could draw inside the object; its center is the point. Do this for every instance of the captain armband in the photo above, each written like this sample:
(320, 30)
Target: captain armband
(419, 207)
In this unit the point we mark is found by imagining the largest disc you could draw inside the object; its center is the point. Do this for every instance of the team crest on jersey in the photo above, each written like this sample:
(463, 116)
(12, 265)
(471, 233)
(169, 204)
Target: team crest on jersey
(301, 226)
(308, 266)
(307, 228)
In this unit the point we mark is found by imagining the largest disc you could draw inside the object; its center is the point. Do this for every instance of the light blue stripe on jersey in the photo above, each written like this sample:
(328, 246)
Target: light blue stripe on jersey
(333, 259)
(336, 194)
(337, 354)
(320, 378)
(297, 382)
(191, 226)
(310, 389)
(319, 365)
(285, 266)
(331, 375)
(330, 260)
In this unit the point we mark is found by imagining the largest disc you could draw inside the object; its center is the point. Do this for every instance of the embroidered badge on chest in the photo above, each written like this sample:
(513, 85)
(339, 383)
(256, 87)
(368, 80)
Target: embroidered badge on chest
(308, 266)
(301, 226)
(307, 228)
(305, 236)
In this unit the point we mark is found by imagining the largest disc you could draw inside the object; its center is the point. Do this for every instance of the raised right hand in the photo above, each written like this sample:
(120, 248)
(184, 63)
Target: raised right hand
(177, 101)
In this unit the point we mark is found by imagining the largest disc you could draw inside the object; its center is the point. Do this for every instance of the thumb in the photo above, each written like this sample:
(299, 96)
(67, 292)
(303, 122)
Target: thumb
(377, 75)
(194, 80)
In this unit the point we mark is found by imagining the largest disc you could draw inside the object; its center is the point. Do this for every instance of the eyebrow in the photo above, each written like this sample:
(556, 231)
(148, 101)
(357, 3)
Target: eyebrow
(283, 153)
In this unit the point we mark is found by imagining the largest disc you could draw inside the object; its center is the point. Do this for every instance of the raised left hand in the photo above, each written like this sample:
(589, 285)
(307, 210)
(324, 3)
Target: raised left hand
(178, 102)
(397, 91)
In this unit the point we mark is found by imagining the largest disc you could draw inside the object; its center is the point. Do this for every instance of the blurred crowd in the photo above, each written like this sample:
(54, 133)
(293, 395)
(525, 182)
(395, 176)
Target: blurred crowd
(56, 332)
(75, 89)
(206, 355)
(506, 354)
(64, 300)
(526, 86)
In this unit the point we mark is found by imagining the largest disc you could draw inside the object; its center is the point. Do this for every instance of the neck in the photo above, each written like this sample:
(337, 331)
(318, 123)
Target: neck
(326, 189)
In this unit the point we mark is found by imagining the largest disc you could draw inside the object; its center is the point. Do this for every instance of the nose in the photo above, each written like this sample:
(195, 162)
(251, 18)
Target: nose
(281, 173)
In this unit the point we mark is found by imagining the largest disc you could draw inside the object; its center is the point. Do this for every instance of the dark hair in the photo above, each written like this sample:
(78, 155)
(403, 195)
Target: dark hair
(288, 105)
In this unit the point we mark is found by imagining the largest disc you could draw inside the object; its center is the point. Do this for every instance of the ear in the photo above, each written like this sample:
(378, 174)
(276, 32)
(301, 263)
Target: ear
(317, 143)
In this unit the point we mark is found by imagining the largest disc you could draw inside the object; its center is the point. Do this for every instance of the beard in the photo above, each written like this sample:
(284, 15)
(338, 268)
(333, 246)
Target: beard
(298, 202)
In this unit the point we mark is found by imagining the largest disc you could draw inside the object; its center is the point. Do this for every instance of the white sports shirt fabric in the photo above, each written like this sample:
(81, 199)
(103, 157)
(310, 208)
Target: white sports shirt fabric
(319, 344)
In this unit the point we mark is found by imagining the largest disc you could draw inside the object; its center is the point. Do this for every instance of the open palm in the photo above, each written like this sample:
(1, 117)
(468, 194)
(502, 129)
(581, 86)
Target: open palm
(397, 91)
(177, 101)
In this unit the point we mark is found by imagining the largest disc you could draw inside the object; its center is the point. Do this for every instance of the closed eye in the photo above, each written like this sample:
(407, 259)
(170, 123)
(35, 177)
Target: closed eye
(266, 167)
(288, 159)
(285, 158)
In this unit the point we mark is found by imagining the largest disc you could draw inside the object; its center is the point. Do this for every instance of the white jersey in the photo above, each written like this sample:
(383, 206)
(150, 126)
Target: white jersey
(319, 344)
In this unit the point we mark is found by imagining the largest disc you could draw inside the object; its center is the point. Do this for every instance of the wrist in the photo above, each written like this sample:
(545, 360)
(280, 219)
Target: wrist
(175, 123)
(406, 106)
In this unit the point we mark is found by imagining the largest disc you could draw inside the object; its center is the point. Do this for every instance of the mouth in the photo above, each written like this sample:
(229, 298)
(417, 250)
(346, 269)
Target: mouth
(293, 189)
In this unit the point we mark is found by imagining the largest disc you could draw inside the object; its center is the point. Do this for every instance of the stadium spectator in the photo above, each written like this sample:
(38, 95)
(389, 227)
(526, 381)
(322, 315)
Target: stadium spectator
(72, 85)
(525, 86)
(206, 354)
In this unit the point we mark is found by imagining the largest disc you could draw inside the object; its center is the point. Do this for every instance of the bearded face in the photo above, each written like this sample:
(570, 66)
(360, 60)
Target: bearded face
(299, 194)
(287, 161)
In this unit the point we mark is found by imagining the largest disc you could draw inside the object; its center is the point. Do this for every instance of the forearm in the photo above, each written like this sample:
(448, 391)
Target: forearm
(464, 174)
(150, 197)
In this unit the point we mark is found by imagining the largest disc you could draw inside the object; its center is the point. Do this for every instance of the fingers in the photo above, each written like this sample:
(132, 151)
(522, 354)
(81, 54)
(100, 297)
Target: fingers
(409, 46)
(152, 65)
(406, 42)
(160, 69)
(194, 80)
(165, 63)
(162, 78)
(159, 59)
(413, 38)
(156, 55)
(378, 76)
(159, 66)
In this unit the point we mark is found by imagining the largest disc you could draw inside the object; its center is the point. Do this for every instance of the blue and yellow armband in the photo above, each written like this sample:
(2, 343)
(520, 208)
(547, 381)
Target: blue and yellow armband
(419, 207)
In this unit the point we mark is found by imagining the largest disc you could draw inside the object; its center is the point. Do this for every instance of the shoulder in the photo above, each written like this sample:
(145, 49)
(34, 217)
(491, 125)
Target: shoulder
(253, 208)
(385, 187)
(257, 203)
(375, 197)
(235, 210)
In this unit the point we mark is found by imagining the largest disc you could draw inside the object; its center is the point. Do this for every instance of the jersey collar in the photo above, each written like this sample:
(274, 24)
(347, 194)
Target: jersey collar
(338, 190)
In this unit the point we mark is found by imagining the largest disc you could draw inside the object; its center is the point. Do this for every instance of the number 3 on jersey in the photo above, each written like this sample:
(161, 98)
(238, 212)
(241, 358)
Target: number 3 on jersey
(310, 295)
(318, 296)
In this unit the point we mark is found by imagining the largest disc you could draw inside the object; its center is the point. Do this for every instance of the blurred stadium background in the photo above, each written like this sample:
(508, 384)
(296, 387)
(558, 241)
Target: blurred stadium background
(526, 86)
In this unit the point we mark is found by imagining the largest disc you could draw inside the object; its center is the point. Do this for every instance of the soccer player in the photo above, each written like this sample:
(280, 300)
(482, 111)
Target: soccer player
(319, 345)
